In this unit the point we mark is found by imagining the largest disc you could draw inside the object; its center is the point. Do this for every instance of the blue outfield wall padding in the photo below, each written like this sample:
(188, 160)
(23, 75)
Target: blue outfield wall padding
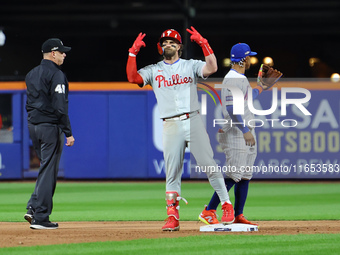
(110, 131)
(89, 157)
(17, 121)
(10, 161)
(119, 135)
(128, 152)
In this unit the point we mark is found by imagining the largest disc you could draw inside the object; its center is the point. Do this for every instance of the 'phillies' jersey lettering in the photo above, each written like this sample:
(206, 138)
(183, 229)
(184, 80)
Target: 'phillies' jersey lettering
(175, 85)
(175, 80)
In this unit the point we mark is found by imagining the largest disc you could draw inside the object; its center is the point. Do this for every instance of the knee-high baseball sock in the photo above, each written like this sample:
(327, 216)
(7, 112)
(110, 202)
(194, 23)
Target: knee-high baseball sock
(229, 183)
(215, 200)
(241, 192)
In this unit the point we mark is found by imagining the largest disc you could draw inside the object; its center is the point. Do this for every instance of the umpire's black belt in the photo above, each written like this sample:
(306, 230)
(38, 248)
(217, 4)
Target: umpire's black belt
(183, 116)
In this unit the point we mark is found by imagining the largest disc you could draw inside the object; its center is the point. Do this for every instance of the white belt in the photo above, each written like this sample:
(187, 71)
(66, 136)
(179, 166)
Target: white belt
(183, 116)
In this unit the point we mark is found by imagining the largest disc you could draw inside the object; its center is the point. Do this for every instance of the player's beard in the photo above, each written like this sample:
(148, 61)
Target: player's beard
(169, 53)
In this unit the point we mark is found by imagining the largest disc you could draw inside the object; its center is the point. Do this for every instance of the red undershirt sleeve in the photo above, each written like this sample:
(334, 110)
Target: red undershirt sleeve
(131, 71)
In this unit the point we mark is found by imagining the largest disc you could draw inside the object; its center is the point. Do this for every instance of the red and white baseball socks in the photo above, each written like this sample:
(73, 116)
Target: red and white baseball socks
(172, 205)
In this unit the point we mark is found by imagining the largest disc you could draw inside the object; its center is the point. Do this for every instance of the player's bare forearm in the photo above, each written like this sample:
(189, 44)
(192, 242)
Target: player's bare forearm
(249, 139)
(210, 66)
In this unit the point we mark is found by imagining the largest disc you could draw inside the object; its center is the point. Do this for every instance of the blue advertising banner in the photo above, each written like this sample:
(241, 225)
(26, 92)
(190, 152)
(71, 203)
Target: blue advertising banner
(293, 145)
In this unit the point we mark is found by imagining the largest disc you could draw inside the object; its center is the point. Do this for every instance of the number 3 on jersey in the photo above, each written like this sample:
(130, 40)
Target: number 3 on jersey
(60, 88)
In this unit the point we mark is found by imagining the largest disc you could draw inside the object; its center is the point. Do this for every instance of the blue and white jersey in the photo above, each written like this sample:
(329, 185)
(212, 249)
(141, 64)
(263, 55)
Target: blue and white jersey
(174, 85)
(239, 80)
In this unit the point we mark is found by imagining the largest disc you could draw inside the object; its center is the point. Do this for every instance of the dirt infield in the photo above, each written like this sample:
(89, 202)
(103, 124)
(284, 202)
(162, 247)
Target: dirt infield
(19, 234)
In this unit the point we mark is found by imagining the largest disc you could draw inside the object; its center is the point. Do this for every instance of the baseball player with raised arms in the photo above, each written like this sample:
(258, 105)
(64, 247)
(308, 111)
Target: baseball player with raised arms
(174, 82)
(236, 140)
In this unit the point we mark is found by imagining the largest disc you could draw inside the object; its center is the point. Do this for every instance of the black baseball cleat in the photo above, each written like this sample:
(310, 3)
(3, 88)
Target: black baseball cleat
(29, 215)
(43, 225)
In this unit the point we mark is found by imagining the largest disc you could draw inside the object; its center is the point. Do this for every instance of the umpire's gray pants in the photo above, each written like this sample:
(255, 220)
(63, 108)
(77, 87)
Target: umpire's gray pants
(48, 142)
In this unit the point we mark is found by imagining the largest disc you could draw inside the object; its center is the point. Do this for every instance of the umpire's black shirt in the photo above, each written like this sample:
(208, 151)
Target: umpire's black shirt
(47, 96)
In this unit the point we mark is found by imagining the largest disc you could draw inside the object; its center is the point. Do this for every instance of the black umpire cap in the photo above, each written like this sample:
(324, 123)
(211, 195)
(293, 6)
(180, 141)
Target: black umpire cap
(54, 44)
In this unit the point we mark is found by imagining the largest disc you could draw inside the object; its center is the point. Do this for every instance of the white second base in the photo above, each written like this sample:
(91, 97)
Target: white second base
(236, 227)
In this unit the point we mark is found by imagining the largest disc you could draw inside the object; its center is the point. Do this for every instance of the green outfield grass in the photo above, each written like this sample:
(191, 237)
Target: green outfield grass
(237, 245)
(113, 201)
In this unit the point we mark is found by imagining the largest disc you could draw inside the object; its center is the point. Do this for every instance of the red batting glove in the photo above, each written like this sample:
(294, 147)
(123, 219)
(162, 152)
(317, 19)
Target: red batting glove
(137, 44)
(195, 36)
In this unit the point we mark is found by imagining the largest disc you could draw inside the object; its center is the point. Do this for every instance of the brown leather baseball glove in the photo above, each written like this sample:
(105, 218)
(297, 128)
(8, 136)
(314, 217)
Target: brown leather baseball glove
(268, 76)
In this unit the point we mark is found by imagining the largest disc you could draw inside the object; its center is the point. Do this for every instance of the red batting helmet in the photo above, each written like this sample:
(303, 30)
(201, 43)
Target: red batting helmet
(168, 34)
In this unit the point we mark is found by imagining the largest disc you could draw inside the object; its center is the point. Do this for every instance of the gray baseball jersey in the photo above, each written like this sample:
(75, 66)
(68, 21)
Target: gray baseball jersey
(175, 85)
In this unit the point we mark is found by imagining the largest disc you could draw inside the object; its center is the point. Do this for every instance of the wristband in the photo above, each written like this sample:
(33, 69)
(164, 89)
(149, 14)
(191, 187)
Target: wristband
(260, 88)
(207, 50)
(245, 129)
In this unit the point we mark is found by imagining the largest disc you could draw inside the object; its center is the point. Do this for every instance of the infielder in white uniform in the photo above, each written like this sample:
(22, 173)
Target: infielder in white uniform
(174, 82)
(237, 140)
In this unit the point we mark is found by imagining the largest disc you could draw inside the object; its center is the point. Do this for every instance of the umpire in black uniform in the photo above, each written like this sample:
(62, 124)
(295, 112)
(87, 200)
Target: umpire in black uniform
(48, 123)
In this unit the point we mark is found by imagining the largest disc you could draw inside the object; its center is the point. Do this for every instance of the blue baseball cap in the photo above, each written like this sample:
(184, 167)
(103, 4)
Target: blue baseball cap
(240, 51)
